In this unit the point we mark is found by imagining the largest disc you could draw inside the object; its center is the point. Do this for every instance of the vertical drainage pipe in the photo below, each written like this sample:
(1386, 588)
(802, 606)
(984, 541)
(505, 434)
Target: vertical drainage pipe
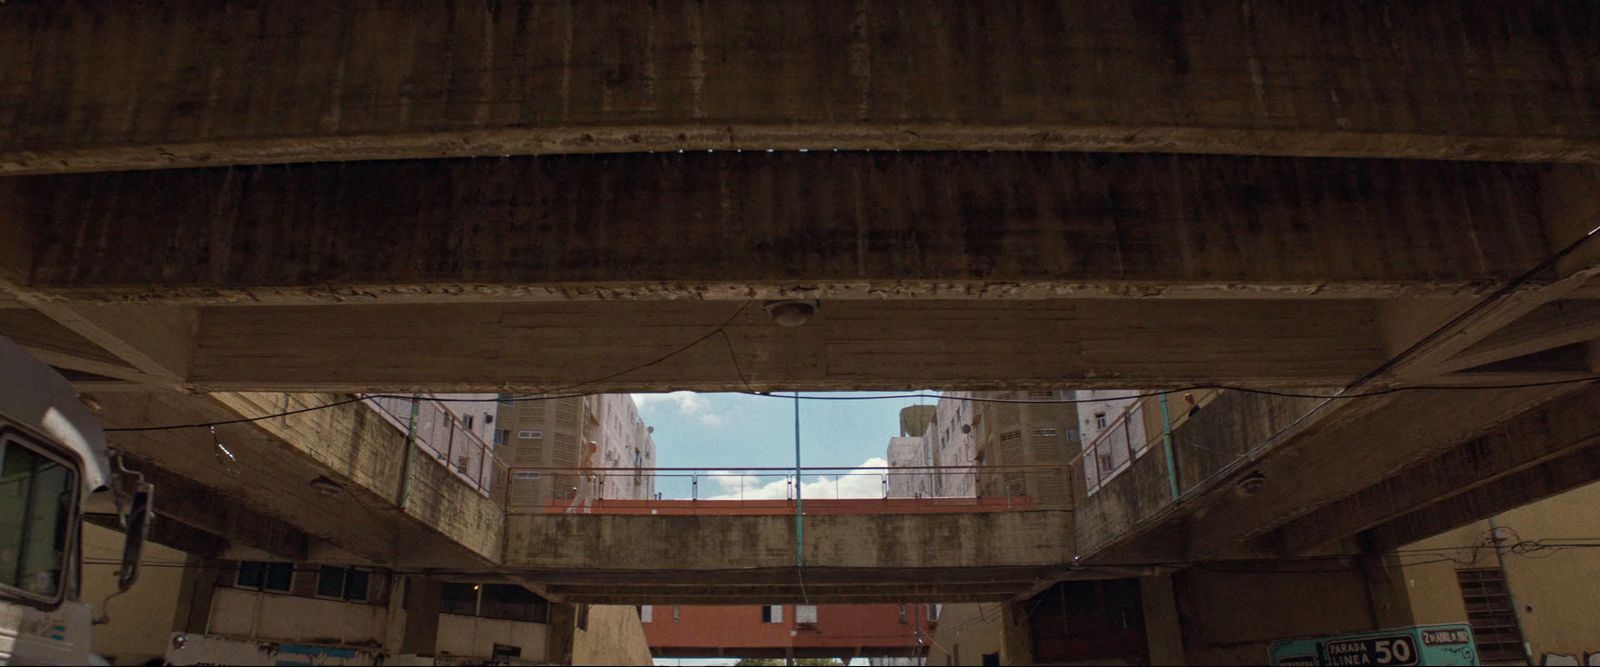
(405, 457)
(1511, 597)
(1166, 446)
(799, 523)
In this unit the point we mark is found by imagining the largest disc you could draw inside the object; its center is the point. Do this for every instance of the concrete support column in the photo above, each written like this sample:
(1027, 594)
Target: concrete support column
(1016, 647)
(422, 602)
(562, 633)
(1387, 599)
(1163, 631)
(1231, 613)
(196, 590)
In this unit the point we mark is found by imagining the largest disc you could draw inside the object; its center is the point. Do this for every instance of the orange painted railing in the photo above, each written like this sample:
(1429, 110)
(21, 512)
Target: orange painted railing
(754, 491)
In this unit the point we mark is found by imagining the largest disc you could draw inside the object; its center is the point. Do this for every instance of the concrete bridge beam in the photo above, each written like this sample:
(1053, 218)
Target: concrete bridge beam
(96, 86)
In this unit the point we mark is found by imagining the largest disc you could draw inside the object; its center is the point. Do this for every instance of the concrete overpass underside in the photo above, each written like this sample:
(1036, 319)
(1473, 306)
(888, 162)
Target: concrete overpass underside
(1351, 477)
(214, 197)
(259, 493)
(1042, 270)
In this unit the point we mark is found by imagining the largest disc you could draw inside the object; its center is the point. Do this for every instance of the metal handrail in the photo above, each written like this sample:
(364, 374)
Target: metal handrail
(443, 424)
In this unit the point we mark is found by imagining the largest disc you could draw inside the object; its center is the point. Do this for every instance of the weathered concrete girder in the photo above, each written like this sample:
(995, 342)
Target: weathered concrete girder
(813, 225)
(848, 344)
(1549, 432)
(207, 511)
(1354, 447)
(718, 559)
(1398, 468)
(109, 86)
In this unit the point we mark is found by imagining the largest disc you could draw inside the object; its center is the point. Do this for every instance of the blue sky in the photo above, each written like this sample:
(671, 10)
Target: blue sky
(738, 430)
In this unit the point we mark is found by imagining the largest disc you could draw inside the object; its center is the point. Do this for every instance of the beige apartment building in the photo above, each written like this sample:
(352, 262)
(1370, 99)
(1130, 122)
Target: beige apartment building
(1018, 443)
(248, 608)
(910, 452)
(1528, 581)
(541, 443)
(953, 444)
(1005, 448)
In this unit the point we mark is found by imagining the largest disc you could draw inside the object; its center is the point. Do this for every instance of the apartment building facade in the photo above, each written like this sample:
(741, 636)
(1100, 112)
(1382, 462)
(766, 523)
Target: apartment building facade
(542, 446)
(1022, 436)
(249, 608)
(1115, 430)
(1003, 444)
(911, 454)
(953, 444)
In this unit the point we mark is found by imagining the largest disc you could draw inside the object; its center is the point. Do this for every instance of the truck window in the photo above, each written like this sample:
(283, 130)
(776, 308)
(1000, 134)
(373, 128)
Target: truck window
(37, 493)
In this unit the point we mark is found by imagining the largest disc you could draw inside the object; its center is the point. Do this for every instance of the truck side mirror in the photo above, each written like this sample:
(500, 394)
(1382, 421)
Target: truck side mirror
(140, 513)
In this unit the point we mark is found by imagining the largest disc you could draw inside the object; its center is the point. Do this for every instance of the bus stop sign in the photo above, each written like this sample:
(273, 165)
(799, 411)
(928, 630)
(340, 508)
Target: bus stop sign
(1421, 645)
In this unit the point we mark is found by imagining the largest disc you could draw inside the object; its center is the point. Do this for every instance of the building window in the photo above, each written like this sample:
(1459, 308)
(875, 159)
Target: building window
(772, 613)
(1100, 420)
(1045, 432)
(343, 583)
(273, 577)
(1489, 610)
(525, 475)
(530, 435)
(500, 436)
(806, 614)
(466, 422)
(1008, 436)
(902, 613)
(647, 613)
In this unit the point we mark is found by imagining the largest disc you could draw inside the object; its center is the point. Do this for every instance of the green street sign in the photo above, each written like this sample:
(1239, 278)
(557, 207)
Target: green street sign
(1449, 644)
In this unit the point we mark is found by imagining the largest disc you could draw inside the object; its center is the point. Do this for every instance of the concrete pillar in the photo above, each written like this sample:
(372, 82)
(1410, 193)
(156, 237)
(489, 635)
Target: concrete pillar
(196, 590)
(1387, 598)
(423, 600)
(1162, 629)
(562, 633)
(1230, 613)
(1016, 647)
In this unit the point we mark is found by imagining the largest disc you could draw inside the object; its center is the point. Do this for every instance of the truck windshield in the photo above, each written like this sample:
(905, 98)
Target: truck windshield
(37, 495)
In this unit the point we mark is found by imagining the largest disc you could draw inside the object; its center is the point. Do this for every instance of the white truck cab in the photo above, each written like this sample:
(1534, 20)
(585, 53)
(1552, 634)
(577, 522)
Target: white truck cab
(53, 457)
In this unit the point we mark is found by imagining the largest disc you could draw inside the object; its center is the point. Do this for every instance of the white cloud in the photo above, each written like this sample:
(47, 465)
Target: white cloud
(857, 483)
(686, 403)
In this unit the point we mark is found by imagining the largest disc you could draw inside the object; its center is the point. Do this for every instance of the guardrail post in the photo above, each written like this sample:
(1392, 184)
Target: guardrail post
(694, 486)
